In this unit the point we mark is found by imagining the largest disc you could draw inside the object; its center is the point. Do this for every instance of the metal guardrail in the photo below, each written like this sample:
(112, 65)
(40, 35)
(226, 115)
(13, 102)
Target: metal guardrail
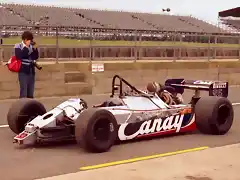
(103, 44)
(92, 53)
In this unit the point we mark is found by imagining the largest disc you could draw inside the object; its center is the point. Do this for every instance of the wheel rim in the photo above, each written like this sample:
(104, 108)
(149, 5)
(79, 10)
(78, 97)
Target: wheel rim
(102, 130)
(223, 114)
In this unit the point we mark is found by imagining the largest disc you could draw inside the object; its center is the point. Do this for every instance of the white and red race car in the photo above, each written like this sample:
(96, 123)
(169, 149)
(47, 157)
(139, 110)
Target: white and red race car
(126, 115)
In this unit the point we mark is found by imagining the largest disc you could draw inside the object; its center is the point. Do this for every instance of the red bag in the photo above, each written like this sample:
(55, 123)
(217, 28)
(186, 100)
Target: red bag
(14, 64)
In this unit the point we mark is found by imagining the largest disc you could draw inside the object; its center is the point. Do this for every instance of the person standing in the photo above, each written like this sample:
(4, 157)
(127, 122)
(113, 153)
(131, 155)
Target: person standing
(27, 52)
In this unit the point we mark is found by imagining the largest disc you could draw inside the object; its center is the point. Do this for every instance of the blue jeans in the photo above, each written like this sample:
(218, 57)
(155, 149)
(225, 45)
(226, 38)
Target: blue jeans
(27, 84)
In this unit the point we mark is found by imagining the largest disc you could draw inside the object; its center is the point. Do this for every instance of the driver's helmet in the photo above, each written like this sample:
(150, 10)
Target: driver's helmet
(153, 87)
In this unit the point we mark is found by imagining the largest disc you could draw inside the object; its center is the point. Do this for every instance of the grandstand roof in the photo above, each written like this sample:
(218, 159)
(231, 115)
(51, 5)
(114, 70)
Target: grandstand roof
(234, 12)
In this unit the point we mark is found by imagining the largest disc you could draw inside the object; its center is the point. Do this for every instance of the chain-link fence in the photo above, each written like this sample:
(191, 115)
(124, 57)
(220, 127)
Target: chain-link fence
(71, 43)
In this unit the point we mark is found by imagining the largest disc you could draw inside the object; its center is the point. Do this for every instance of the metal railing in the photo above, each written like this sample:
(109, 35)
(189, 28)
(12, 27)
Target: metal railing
(79, 43)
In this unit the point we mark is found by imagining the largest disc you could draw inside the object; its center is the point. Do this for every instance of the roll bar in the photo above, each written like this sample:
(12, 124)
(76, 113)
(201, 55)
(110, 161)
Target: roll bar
(116, 87)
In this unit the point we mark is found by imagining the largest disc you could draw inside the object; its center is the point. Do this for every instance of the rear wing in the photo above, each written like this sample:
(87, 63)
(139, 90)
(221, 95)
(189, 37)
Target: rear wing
(215, 88)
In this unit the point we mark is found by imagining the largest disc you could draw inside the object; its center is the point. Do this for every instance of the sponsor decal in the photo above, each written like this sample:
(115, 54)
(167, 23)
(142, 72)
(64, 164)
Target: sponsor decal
(219, 85)
(202, 82)
(217, 92)
(152, 126)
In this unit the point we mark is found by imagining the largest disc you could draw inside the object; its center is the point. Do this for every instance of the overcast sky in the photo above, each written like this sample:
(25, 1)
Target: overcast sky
(204, 9)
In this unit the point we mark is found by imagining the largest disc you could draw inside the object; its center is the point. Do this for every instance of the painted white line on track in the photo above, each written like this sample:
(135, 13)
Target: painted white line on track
(235, 104)
(5, 126)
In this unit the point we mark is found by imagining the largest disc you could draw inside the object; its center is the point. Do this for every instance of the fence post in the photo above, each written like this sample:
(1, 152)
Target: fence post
(136, 46)
(139, 50)
(215, 47)
(239, 48)
(180, 47)
(209, 42)
(91, 48)
(2, 18)
(175, 36)
(57, 45)
(1, 46)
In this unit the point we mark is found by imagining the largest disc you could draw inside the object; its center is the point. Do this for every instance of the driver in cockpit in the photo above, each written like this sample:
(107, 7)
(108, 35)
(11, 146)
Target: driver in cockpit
(167, 93)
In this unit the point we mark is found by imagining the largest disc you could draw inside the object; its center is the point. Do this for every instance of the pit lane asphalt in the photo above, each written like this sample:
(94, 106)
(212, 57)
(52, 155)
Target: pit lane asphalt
(51, 160)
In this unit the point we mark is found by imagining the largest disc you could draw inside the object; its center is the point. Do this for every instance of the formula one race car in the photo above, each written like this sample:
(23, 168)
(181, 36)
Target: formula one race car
(126, 115)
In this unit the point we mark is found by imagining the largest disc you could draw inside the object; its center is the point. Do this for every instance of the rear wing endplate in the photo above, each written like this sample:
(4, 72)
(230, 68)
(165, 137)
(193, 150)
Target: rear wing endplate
(215, 88)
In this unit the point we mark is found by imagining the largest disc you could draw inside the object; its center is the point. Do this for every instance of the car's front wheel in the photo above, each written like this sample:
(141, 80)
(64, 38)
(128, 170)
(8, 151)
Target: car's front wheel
(22, 111)
(96, 130)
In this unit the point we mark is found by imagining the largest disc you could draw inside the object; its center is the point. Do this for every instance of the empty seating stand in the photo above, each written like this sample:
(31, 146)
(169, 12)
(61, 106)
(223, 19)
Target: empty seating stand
(52, 16)
(17, 14)
(233, 23)
(114, 19)
(205, 27)
(9, 18)
(166, 22)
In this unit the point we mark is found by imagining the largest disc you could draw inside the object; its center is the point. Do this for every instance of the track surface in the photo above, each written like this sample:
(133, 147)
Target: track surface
(44, 161)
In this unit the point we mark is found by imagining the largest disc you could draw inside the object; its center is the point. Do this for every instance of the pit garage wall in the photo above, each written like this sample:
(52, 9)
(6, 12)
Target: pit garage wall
(73, 79)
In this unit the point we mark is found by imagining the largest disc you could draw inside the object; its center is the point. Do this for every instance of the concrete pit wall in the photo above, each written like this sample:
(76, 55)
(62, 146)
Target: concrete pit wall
(76, 78)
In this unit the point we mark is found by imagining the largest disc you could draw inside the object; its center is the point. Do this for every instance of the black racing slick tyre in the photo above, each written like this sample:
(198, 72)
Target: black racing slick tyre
(23, 111)
(96, 130)
(214, 115)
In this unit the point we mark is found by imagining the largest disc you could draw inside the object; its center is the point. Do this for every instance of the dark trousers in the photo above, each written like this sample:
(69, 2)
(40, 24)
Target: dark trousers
(27, 84)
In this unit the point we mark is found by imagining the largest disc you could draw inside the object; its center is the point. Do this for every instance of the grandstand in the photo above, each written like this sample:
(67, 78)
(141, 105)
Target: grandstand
(231, 18)
(17, 14)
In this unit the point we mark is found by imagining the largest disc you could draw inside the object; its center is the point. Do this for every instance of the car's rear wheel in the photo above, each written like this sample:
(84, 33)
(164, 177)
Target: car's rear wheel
(22, 111)
(214, 115)
(96, 130)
